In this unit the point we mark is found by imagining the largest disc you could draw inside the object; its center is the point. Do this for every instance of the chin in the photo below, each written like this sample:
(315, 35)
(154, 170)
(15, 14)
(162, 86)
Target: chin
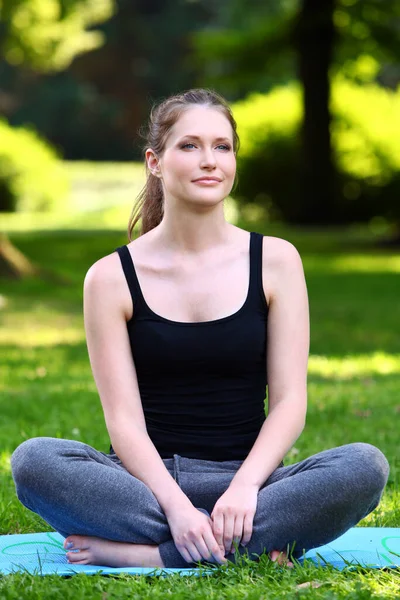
(208, 200)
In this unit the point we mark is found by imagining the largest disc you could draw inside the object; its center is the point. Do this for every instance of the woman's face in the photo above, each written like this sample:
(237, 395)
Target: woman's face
(198, 164)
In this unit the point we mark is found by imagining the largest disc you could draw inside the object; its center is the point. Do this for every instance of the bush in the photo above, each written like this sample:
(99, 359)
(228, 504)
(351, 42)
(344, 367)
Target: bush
(32, 177)
(366, 142)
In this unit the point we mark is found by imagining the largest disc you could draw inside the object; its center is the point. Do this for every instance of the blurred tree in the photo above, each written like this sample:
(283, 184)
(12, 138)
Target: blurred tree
(48, 34)
(255, 44)
(45, 35)
(107, 93)
(147, 56)
(93, 109)
(314, 36)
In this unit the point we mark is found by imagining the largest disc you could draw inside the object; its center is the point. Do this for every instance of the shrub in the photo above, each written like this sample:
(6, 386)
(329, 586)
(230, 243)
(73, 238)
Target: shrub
(32, 177)
(366, 142)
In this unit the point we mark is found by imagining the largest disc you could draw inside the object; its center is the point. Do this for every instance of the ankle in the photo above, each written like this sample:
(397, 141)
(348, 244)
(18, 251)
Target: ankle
(155, 557)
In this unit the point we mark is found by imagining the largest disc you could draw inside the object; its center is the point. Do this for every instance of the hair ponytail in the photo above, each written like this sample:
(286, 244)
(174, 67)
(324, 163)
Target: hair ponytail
(149, 206)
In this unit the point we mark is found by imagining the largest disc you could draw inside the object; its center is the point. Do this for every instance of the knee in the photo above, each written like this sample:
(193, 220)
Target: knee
(369, 466)
(29, 460)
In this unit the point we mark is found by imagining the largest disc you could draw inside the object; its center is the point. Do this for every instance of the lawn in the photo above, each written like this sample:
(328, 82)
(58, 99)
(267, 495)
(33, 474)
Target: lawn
(46, 388)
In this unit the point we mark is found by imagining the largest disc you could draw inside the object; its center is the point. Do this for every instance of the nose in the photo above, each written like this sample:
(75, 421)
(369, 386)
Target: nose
(207, 159)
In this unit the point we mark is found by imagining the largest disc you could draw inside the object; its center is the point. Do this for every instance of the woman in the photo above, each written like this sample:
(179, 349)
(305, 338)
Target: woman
(183, 324)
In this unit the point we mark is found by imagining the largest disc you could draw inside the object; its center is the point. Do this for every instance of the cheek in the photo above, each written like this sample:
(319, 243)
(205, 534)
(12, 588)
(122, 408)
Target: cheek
(178, 166)
(230, 167)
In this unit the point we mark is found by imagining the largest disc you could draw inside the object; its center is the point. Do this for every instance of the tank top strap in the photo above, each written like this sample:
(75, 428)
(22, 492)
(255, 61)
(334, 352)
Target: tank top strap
(131, 278)
(256, 280)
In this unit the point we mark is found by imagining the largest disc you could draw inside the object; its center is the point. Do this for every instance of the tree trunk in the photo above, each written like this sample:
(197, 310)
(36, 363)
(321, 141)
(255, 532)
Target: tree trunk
(13, 264)
(314, 37)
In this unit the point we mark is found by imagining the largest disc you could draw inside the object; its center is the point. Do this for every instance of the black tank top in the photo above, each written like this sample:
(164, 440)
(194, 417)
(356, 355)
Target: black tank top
(202, 384)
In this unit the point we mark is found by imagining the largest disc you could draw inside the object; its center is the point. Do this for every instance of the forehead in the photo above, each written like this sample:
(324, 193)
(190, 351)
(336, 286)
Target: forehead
(201, 121)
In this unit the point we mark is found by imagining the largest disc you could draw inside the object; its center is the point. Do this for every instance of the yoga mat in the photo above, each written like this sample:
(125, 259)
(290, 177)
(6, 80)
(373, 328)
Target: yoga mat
(43, 554)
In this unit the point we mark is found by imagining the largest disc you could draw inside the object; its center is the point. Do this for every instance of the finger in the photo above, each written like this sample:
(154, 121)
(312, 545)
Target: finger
(188, 551)
(216, 551)
(184, 553)
(218, 530)
(193, 551)
(229, 524)
(237, 533)
(203, 548)
(247, 529)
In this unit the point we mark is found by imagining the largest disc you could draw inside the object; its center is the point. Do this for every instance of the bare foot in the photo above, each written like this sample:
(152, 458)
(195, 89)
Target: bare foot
(281, 558)
(85, 550)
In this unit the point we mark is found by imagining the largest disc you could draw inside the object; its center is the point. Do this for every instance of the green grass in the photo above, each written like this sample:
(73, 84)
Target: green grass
(46, 388)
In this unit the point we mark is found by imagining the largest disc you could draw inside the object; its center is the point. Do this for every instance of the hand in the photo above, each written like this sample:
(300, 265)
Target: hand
(233, 515)
(193, 535)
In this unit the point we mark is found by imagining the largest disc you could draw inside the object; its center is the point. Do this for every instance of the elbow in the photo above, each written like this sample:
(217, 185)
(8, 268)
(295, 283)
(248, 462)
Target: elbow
(302, 415)
(124, 431)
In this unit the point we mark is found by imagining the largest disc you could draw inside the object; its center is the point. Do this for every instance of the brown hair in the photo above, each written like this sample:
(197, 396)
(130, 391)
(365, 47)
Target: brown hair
(149, 204)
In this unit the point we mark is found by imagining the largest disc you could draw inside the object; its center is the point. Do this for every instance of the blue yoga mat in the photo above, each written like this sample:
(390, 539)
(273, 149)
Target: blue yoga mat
(43, 554)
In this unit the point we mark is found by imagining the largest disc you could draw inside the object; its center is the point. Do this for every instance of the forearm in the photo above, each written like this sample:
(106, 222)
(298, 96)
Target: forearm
(141, 458)
(278, 433)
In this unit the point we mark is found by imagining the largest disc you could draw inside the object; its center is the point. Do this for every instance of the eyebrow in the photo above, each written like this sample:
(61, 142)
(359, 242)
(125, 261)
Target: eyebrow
(196, 137)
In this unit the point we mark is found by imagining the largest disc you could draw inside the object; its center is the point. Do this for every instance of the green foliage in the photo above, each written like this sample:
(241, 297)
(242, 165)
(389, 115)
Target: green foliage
(45, 35)
(366, 132)
(31, 175)
(366, 140)
(246, 46)
(48, 34)
(250, 45)
(367, 27)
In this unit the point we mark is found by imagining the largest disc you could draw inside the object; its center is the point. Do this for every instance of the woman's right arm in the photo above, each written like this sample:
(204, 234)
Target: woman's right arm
(107, 304)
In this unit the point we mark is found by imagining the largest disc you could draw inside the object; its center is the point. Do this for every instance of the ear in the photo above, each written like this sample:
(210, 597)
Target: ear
(153, 162)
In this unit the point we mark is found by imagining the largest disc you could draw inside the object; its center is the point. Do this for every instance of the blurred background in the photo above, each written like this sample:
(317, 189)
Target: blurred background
(314, 87)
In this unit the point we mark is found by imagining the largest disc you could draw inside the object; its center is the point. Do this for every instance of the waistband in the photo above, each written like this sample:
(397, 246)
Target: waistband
(182, 464)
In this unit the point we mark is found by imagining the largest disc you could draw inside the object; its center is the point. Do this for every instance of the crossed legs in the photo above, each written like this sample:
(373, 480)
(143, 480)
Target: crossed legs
(86, 494)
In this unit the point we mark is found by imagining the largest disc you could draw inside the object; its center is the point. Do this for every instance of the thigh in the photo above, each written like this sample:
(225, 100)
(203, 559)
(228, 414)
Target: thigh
(46, 453)
(341, 462)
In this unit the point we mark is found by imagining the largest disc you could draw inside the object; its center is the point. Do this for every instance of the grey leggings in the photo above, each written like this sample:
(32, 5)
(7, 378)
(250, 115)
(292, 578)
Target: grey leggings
(79, 490)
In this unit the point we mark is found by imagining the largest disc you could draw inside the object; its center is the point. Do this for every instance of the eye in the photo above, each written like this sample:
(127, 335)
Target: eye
(190, 145)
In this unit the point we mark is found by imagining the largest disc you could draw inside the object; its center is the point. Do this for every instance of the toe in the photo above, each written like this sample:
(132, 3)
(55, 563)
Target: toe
(77, 557)
(76, 542)
(280, 558)
(274, 554)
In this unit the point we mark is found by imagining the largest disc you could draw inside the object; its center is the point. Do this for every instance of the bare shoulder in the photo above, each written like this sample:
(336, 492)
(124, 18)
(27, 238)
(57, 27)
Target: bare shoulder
(281, 263)
(104, 272)
(279, 252)
(105, 280)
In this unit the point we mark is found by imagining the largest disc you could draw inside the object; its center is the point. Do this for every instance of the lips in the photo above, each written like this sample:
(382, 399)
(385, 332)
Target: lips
(207, 179)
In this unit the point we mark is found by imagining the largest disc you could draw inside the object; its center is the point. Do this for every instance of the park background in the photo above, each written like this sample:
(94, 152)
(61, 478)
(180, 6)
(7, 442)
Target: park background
(314, 87)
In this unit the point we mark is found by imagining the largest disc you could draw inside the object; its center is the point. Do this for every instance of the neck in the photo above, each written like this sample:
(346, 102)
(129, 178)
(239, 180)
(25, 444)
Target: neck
(192, 233)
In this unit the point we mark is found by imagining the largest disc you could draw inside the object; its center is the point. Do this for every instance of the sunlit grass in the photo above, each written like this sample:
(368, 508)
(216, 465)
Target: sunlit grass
(388, 511)
(347, 367)
(5, 466)
(41, 328)
(351, 262)
(114, 217)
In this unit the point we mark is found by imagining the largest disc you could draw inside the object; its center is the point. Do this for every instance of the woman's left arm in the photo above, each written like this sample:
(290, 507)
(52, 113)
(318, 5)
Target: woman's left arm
(288, 338)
